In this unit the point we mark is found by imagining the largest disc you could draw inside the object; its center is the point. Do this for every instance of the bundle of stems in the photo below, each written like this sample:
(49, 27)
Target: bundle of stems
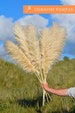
(36, 54)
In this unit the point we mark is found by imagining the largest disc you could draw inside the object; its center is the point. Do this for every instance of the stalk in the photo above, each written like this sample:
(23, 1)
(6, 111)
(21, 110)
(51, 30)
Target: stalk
(44, 95)
(44, 92)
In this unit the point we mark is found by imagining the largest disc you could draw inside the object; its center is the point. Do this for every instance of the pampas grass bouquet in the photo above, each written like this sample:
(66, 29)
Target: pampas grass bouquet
(37, 53)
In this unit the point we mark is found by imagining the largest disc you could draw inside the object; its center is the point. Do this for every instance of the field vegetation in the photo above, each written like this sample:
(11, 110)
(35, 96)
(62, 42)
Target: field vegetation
(20, 92)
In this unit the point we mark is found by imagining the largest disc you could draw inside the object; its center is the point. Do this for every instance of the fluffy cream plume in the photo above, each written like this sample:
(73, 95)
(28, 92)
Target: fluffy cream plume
(17, 54)
(51, 43)
(33, 45)
(28, 42)
(21, 39)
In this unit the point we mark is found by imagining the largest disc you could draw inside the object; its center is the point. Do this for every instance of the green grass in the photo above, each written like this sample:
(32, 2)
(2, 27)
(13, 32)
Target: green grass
(21, 92)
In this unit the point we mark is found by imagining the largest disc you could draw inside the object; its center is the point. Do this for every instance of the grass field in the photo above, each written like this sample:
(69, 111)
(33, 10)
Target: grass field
(21, 92)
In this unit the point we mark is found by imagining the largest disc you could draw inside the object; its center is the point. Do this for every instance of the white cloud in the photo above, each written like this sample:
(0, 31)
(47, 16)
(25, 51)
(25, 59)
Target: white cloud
(6, 32)
(68, 2)
(36, 20)
(68, 22)
(6, 25)
(5, 28)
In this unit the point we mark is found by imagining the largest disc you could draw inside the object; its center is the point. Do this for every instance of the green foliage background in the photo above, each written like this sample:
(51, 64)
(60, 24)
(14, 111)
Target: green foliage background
(21, 92)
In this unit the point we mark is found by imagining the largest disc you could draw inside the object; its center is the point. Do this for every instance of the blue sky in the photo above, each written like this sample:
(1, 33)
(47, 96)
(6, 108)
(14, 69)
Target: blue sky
(43, 2)
(13, 8)
(12, 11)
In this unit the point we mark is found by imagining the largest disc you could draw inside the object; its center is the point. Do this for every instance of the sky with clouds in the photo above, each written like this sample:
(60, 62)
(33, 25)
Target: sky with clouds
(11, 12)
